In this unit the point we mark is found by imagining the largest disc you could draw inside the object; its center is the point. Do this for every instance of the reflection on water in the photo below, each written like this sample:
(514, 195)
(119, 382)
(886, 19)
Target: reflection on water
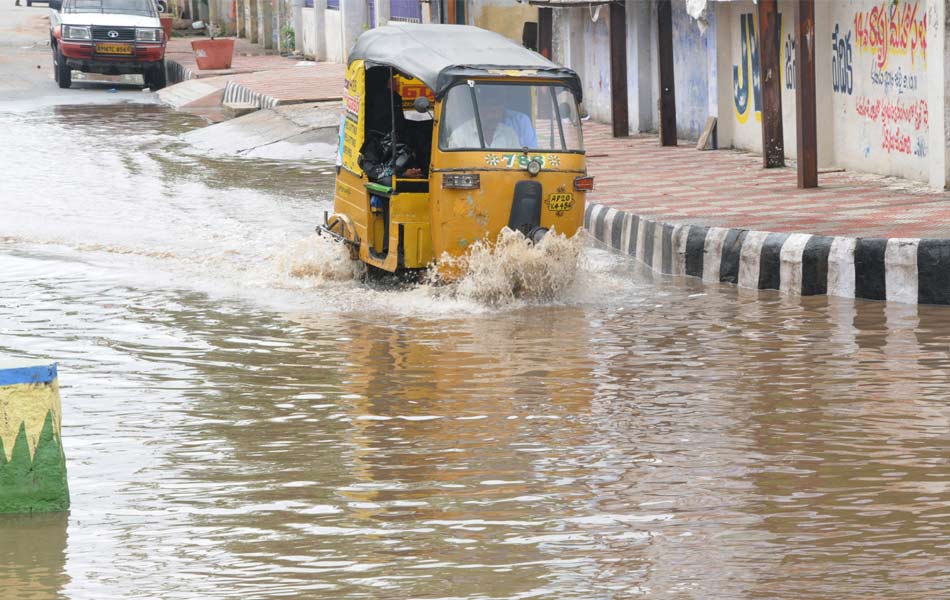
(234, 429)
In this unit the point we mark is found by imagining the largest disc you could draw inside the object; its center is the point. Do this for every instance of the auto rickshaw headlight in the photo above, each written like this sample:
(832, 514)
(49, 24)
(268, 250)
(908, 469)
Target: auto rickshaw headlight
(534, 167)
(461, 181)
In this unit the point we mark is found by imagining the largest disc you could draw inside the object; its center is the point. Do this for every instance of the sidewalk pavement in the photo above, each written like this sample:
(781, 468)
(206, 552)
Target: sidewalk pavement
(720, 216)
(256, 76)
(248, 58)
(728, 188)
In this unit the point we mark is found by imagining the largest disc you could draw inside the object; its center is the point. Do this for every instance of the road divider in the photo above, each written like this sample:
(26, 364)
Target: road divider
(32, 461)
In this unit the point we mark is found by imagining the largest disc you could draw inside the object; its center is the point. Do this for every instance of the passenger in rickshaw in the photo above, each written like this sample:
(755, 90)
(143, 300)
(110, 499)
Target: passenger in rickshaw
(502, 128)
(385, 117)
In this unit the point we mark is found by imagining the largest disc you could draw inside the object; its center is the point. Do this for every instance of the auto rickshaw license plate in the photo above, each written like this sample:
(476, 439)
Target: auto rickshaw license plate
(114, 49)
(560, 202)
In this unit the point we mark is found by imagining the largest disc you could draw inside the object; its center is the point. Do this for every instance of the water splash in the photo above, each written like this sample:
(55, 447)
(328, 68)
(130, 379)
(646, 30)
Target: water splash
(512, 269)
(316, 259)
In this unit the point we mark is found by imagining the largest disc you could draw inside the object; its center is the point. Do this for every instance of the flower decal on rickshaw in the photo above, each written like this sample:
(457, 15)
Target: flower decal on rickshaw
(493, 160)
(554, 160)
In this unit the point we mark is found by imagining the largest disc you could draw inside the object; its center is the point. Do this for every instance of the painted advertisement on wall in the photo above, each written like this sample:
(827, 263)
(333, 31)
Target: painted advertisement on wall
(741, 79)
(878, 59)
(871, 69)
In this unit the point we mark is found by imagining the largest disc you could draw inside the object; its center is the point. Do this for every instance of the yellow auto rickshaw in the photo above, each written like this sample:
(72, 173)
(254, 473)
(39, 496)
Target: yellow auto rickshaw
(450, 134)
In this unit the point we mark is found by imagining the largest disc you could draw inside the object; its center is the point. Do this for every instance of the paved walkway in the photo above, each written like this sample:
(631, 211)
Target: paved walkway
(248, 58)
(256, 75)
(727, 188)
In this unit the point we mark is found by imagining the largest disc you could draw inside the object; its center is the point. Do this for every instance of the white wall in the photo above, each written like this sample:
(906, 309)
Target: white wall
(307, 34)
(873, 95)
(583, 44)
(335, 52)
(881, 126)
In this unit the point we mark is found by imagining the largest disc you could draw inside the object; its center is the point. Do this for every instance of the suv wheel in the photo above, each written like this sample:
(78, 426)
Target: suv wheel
(63, 74)
(155, 76)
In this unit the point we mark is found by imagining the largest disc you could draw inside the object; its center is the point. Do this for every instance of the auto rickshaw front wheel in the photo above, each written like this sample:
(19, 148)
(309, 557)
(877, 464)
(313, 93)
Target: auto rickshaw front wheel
(340, 227)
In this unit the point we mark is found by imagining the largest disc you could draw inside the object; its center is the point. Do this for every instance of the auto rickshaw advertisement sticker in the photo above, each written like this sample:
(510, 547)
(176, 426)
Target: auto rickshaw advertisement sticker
(560, 202)
(354, 106)
(410, 88)
(520, 160)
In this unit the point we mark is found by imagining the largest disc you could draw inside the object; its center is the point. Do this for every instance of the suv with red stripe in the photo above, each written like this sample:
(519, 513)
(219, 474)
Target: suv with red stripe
(111, 37)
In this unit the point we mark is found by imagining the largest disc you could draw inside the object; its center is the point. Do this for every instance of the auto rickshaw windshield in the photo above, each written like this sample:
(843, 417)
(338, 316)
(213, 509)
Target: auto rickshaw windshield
(482, 115)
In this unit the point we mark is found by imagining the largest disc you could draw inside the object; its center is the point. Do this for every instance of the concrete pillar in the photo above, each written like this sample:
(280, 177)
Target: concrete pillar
(430, 11)
(641, 69)
(353, 17)
(298, 6)
(938, 75)
(266, 17)
(32, 462)
(320, 29)
(383, 10)
(241, 25)
(253, 24)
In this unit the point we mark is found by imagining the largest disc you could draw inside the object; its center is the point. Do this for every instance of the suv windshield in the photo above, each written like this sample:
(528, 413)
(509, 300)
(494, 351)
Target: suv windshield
(123, 7)
(511, 117)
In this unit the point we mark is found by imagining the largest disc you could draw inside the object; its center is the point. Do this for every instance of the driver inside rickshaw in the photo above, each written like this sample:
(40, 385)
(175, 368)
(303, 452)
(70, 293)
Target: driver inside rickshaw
(502, 127)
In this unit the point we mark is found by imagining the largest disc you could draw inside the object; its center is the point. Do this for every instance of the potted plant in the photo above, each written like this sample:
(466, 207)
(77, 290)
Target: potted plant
(212, 53)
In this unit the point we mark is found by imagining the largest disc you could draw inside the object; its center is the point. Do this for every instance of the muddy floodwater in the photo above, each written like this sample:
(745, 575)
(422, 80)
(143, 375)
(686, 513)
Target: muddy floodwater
(245, 417)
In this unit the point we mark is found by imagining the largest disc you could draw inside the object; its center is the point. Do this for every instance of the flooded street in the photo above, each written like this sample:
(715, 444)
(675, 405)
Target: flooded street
(244, 416)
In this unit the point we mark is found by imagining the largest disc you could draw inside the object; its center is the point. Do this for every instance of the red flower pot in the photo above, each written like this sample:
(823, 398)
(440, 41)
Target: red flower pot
(213, 54)
(167, 26)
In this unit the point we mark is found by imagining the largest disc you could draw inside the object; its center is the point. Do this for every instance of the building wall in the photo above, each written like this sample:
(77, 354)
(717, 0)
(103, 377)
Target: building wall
(582, 42)
(506, 17)
(738, 86)
(307, 36)
(879, 87)
(871, 81)
(335, 51)
(690, 72)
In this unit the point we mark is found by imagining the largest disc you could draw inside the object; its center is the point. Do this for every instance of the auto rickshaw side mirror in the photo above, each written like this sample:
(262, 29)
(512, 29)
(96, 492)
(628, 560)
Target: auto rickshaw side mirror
(421, 105)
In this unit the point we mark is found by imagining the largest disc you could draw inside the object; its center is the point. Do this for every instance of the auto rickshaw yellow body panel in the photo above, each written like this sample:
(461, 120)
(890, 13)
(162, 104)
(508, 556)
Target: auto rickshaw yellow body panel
(462, 217)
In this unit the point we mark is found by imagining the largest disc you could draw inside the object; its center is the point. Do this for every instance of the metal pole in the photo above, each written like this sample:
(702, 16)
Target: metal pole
(805, 111)
(619, 111)
(773, 138)
(667, 80)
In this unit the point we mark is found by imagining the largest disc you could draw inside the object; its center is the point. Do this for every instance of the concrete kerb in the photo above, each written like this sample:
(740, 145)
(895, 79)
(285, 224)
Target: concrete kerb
(915, 271)
(236, 93)
(176, 73)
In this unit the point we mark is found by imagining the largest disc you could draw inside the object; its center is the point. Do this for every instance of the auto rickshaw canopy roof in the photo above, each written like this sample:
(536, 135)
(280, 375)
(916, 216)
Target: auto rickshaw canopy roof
(440, 55)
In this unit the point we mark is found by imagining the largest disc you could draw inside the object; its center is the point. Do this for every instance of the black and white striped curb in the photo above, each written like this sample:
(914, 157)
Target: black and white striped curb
(909, 270)
(237, 93)
(176, 73)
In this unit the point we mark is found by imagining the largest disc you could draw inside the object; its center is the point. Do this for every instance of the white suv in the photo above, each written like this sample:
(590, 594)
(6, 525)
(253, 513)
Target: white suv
(112, 37)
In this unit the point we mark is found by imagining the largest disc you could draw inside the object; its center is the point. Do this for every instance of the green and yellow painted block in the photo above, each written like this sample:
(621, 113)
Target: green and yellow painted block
(32, 462)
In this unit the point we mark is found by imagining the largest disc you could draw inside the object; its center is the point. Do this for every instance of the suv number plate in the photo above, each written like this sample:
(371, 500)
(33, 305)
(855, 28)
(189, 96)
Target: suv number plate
(114, 49)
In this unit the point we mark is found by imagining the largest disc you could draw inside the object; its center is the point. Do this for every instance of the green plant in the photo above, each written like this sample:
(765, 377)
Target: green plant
(290, 39)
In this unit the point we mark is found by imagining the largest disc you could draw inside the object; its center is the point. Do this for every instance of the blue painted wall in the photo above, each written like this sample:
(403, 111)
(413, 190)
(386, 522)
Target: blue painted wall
(691, 53)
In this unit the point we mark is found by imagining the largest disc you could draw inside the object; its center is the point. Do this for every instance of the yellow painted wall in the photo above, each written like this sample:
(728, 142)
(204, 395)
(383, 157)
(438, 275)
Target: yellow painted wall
(503, 16)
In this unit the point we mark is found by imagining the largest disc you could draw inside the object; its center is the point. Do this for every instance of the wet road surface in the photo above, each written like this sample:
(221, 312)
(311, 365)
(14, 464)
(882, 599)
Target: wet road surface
(245, 417)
